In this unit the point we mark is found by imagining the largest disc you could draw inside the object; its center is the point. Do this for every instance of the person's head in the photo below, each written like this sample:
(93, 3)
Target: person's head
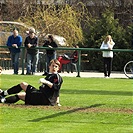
(0, 70)
(54, 66)
(15, 32)
(108, 39)
(32, 32)
(50, 38)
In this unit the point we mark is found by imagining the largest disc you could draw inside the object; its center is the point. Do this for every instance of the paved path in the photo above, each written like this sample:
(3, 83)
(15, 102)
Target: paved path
(74, 74)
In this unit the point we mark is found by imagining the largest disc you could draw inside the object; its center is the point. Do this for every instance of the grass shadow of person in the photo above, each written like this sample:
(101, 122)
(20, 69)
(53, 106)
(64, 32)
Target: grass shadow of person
(65, 112)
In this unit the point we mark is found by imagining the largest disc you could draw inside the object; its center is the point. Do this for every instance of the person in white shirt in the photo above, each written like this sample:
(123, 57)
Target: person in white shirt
(107, 55)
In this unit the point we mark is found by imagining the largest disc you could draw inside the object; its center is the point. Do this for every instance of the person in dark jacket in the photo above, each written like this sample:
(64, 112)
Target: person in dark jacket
(14, 42)
(31, 42)
(50, 53)
(47, 94)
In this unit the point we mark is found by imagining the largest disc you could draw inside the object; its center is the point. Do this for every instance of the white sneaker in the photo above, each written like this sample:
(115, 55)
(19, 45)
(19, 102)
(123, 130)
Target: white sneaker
(58, 104)
(2, 99)
(1, 91)
(106, 77)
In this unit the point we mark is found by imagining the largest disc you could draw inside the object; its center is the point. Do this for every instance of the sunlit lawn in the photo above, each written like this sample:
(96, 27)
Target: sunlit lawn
(89, 105)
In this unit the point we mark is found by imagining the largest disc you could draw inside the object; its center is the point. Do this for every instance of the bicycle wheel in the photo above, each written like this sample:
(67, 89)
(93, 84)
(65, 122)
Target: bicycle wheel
(128, 69)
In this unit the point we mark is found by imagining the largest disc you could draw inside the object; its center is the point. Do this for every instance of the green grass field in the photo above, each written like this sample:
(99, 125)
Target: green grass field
(89, 105)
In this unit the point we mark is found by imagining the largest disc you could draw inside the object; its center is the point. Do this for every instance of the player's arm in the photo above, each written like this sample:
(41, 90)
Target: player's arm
(56, 84)
(46, 82)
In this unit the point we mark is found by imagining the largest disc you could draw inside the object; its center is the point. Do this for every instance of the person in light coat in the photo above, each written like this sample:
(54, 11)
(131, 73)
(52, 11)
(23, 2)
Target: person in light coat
(108, 43)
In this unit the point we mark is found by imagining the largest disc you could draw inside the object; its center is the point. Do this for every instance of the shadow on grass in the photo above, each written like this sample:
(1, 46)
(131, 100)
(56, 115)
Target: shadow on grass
(64, 113)
(98, 92)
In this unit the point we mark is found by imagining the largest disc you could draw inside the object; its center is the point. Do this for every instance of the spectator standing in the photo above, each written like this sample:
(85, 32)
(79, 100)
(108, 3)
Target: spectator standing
(14, 42)
(50, 53)
(107, 55)
(31, 42)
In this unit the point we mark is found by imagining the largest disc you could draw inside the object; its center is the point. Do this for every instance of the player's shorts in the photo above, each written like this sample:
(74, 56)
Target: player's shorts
(35, 97)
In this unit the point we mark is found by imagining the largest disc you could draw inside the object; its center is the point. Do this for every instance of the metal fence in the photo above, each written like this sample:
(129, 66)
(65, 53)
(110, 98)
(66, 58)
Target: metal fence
(67, 49)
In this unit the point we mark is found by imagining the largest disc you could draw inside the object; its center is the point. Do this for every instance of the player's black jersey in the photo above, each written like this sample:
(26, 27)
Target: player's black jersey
(52, 93)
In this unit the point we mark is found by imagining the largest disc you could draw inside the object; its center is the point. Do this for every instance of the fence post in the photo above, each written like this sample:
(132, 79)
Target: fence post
(79, 62)
(23, 59)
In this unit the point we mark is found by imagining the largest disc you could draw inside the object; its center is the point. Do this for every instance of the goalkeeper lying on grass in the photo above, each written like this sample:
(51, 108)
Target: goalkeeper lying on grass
(47, 94)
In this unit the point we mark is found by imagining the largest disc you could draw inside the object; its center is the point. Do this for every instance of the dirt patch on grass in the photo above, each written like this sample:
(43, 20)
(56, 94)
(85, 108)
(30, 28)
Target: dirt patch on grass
(109, 110)
(88, 109)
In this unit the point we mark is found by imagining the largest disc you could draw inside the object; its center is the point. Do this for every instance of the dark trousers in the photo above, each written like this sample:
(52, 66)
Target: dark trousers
(107, 66)
(15, 61)
(49, 57)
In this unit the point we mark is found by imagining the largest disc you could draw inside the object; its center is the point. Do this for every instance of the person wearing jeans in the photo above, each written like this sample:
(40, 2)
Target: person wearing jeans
(15, 61)
(31, 42)
(14, 42)
(32, 61)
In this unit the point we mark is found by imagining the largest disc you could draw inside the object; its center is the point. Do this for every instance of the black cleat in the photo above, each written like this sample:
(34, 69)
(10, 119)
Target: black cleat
(2, 93)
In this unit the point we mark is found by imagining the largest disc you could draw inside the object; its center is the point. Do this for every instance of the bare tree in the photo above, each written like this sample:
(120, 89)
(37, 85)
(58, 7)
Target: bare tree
(59, 20)
(64, 17)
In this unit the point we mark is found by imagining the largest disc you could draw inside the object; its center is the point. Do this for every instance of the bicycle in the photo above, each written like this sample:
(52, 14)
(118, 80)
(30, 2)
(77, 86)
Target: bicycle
(128, 69)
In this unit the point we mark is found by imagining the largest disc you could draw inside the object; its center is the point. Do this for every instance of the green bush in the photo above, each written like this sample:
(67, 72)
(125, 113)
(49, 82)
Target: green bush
(101, 27)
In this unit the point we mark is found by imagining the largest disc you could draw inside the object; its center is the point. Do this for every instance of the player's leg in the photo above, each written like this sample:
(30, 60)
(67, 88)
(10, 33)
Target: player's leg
(11, 99)
(22, 95)
(15, 89)
(14, 98)
(58, 101)
(24, 86)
